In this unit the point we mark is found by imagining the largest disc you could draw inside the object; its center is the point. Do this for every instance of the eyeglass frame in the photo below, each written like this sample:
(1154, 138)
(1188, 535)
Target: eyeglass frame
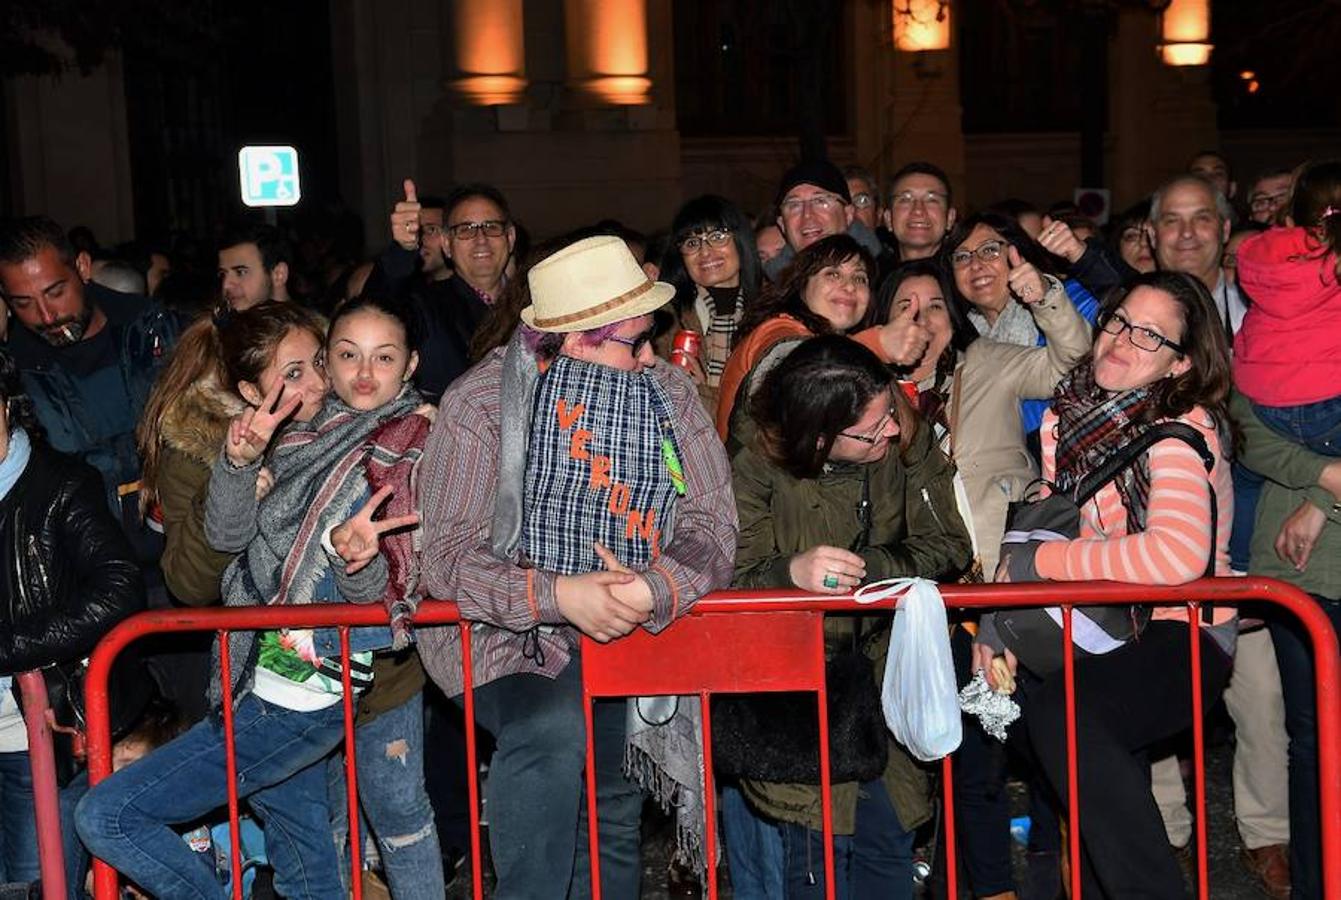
(863, 199)
(995, 247)
(891, 414)
(824, 201)
(1259, 202)
(468, 231)
(637, 342)
(714, 237)
(908, 198)
(1125, 325)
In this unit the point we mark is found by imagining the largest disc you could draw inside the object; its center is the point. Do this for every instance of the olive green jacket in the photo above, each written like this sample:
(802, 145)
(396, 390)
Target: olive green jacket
(916, 530)
(1292, 473)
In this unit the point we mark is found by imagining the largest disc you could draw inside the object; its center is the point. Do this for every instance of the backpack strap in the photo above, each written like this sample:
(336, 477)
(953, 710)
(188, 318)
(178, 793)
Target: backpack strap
(1129, 454)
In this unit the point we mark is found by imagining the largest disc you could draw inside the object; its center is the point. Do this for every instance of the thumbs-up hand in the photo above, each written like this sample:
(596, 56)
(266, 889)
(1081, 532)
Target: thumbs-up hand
(1058, 238)
(355, 539)
(405, 218)
(1024, 280)
(904, 339)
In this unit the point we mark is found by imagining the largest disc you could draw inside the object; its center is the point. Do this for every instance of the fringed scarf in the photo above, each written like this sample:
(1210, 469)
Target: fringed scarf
(1092, 425)
(322, 470)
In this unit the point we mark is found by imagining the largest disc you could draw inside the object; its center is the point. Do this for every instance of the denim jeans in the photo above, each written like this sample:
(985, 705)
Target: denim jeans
(1294, 655)
(18, 830)
(1316, 426)
(281, 768)
(783, 859)
(390, 755)
(537, 809)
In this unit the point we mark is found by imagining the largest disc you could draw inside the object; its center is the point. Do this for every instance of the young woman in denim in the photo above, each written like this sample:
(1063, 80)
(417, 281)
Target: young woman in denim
(287, 718)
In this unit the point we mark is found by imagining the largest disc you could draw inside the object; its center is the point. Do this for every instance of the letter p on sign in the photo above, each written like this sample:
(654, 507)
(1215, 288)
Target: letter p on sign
(269, 176)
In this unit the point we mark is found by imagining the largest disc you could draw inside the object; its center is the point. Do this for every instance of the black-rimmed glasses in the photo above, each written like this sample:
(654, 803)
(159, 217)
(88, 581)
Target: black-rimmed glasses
(1141, 338)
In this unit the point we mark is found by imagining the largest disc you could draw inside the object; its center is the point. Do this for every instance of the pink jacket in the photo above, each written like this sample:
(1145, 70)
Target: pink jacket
(1288, 351)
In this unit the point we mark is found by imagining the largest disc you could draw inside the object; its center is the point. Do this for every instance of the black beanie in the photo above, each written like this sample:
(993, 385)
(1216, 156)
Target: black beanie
(819, 172)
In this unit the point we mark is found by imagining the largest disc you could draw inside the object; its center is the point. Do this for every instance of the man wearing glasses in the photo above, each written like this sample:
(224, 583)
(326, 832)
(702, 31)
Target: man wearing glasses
(572, 486)
(1269, 193)
(814, 202)
(919, 213)
(469, 244)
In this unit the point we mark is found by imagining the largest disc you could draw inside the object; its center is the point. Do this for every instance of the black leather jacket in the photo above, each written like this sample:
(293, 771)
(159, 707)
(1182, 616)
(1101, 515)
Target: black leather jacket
(69, 573)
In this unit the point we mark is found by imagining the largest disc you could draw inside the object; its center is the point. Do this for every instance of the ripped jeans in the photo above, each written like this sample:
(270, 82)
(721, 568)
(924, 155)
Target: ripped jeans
(390, 755)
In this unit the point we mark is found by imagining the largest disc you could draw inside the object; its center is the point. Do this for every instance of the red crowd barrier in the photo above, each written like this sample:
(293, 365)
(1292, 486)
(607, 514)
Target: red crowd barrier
(756, 641)
(46, 802)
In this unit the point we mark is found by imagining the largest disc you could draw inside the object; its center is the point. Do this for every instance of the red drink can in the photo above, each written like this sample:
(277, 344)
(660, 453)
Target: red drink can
(685, 346)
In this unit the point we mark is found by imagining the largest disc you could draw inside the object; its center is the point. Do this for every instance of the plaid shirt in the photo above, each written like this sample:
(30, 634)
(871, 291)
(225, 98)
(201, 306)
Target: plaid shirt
(457, 487)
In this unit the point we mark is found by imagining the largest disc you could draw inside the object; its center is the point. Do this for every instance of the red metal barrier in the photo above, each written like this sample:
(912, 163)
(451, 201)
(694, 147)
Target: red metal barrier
(46, 793)
(742, 660)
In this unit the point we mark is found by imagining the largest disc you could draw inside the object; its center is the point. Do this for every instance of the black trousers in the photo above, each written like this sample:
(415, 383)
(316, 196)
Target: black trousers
(1126, 701)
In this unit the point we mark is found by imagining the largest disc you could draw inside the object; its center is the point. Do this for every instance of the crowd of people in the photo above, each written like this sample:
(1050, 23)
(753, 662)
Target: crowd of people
(584, 436)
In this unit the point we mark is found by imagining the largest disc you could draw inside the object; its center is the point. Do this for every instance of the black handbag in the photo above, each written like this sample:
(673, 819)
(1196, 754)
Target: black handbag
(1034, 634)
(775, 736)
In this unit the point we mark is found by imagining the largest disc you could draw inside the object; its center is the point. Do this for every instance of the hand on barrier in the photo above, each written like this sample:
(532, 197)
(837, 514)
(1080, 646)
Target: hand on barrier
(826, 570)
(904, 339)
(1024, 280)
(636, 594)
(250, 432)
(355, 539)
(405, 218)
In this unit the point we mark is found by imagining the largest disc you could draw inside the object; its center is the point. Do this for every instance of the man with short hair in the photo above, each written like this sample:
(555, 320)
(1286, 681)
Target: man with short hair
(865, 193)
(920, 211)
(814, 202)
(88, 357)
(254, 262)
(434, 264)
(1189, 225)
(571, 486)
(477, 238)
(1270, 192)
(1214, 167)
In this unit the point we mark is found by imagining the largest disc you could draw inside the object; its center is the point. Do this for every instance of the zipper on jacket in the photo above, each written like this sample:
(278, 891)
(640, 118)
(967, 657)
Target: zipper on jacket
(36, 559)
(926, 498)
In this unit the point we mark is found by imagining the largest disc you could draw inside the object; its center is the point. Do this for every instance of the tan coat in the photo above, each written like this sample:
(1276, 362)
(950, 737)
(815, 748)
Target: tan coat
(988, 442)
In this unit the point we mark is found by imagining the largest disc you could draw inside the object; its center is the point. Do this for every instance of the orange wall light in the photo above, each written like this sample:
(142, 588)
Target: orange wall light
(1186, 33)
(489, 51)
(921, 25)
(607, 50)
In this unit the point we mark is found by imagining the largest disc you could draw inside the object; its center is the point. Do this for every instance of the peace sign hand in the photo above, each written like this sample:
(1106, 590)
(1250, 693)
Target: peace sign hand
(355, 539)
(1025, 282)
(250, 433)
(405, 218)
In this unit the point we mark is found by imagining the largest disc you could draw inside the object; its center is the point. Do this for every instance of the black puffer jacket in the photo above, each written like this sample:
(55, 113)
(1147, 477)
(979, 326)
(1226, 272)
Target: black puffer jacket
(69, 573)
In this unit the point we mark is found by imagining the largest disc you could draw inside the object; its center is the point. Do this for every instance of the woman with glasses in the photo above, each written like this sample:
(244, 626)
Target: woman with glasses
(997, 268)
(1160, 356)
(842, 486)
(826, 290)
(713, 264)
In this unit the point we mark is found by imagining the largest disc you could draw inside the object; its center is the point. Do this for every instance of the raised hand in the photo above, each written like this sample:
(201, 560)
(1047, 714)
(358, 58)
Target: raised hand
(904, 339)
(355, 539)
(250, 433)
(405, 218)
(1024, 280)
(827, 570)
(1058, 238)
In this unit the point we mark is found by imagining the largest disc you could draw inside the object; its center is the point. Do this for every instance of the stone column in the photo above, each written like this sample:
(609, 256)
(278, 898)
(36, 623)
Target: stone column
(607, 52)
(489, 51)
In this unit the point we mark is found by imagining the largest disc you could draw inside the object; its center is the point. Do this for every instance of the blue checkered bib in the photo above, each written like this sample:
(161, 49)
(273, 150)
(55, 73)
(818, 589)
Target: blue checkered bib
(596, 468)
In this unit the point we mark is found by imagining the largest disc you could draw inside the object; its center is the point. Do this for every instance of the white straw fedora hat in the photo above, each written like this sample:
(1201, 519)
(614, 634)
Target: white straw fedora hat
(590, 283)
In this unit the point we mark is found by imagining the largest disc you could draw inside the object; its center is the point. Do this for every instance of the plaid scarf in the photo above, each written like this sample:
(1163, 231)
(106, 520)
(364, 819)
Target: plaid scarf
(322, 470)
(1092, 424)
(597, 468)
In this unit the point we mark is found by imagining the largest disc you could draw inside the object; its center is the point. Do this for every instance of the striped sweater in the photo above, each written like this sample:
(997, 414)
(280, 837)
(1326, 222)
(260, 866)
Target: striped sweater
(1177, 538)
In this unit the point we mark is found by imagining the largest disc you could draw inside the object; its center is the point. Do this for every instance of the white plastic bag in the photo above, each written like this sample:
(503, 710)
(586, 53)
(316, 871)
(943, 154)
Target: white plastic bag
(920, 698)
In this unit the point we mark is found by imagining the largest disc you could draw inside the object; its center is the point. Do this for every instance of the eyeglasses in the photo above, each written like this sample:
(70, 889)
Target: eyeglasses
(1260, 202)
(466, 231)
(862, 200)
(1141, 338)
(987, 251)
(927, 198)
(430, 229)
(696, 242)
(635, 343)
(875, 436)
(793, 207)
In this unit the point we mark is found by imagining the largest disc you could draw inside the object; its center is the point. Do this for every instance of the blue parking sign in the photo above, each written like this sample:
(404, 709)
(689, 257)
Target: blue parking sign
(269, 176)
